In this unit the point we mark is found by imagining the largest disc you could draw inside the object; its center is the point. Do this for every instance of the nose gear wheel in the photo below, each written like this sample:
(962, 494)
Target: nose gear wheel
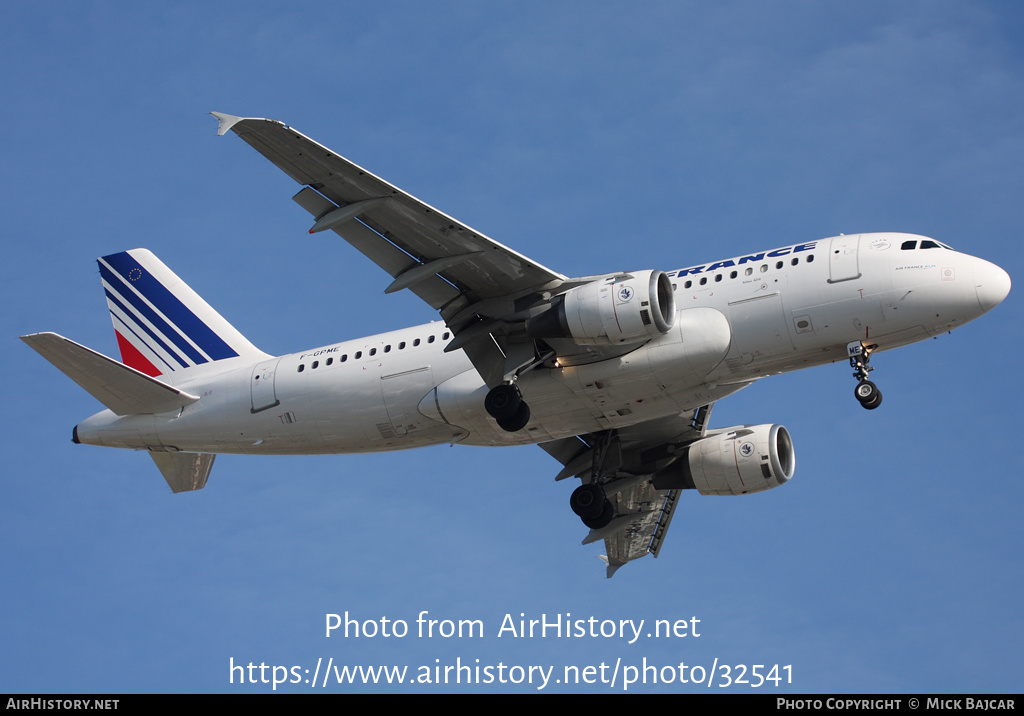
(866, 392)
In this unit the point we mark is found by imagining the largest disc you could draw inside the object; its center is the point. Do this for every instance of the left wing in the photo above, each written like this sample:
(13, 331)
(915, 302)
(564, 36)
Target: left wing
(475, 282)
(623, 462)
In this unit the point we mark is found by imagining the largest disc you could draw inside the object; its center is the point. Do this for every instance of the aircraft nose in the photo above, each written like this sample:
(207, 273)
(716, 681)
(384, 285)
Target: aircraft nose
(992, 285)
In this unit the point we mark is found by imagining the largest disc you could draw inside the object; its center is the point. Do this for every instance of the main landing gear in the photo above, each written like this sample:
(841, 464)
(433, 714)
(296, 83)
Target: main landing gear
(866, 392)
(590, 501)
(593, 507)
(505, 404)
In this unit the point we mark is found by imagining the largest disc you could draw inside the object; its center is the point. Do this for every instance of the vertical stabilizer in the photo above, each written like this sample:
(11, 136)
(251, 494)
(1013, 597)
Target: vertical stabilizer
(162, 325)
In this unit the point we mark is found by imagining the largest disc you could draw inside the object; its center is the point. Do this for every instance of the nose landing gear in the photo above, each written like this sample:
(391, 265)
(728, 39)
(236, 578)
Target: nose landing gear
(866, 392)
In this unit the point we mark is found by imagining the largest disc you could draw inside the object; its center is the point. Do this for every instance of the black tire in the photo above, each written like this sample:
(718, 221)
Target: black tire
(867, 392)
(518, 421)
(875, 402)
(602, 520)
(587, 501)
(503, 401)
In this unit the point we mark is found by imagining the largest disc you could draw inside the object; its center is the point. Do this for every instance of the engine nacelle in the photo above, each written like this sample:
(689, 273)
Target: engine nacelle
(625, 308)
(733, 461)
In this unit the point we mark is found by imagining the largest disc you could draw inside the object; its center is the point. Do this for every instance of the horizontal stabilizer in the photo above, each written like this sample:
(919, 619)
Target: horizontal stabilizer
(184, 471)
(124, 390)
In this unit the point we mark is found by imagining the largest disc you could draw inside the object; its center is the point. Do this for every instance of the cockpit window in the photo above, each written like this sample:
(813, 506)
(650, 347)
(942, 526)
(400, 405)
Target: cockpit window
(925, 244)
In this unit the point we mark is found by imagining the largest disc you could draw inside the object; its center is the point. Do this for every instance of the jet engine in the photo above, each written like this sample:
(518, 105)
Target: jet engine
(614, 310)
(732, 461)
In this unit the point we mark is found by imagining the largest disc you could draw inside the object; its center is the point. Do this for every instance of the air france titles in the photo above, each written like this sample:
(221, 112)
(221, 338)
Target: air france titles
(740, 260)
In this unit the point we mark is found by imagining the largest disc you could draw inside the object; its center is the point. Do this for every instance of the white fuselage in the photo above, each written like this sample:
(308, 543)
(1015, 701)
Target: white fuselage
(737, 320)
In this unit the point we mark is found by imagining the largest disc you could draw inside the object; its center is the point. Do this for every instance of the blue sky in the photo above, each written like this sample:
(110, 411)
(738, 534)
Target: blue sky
(592, 137)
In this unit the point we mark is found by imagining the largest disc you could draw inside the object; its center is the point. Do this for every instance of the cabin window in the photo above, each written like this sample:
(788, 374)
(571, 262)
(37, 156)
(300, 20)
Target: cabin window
(430, 339)
(810, 258)
(748, 271)
(764, 267)
(718, 277)
(687, 284)
(794, 262)
(733, 274)
(329, 361)
(401, 346)
(344, 357)
(359, 354)
(704, 281)
(445, 336)
(316, 364)
(301, 368)
(387, 348)
(416, 342)
(373, 351)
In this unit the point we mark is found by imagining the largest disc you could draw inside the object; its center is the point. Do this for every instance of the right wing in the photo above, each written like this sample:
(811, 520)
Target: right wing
(625, 460)
(473, 281)
(484, 291)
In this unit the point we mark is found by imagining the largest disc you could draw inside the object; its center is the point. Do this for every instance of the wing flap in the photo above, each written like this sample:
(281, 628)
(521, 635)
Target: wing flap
(433, 290)
(121, 388)
(650, 512)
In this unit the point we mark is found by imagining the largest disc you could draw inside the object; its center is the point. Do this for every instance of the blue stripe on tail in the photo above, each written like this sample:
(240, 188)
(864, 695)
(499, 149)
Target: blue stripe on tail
(130, 273)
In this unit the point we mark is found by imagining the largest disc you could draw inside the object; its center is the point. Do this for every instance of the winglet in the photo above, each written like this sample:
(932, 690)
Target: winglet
(612, 568)
(225, 122)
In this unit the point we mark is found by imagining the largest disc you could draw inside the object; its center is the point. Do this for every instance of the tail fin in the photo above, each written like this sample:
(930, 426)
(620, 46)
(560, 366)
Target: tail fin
(162, 325)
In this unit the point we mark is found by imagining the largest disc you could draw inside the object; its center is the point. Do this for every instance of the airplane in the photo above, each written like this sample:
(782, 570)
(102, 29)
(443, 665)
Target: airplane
(614, 375)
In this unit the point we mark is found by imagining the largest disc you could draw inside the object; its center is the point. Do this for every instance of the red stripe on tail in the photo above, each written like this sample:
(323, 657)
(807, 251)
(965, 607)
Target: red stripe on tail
(131, 357)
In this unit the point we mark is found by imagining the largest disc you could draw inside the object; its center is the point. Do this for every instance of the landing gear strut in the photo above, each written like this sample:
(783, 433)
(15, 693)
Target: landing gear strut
(866, 392)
